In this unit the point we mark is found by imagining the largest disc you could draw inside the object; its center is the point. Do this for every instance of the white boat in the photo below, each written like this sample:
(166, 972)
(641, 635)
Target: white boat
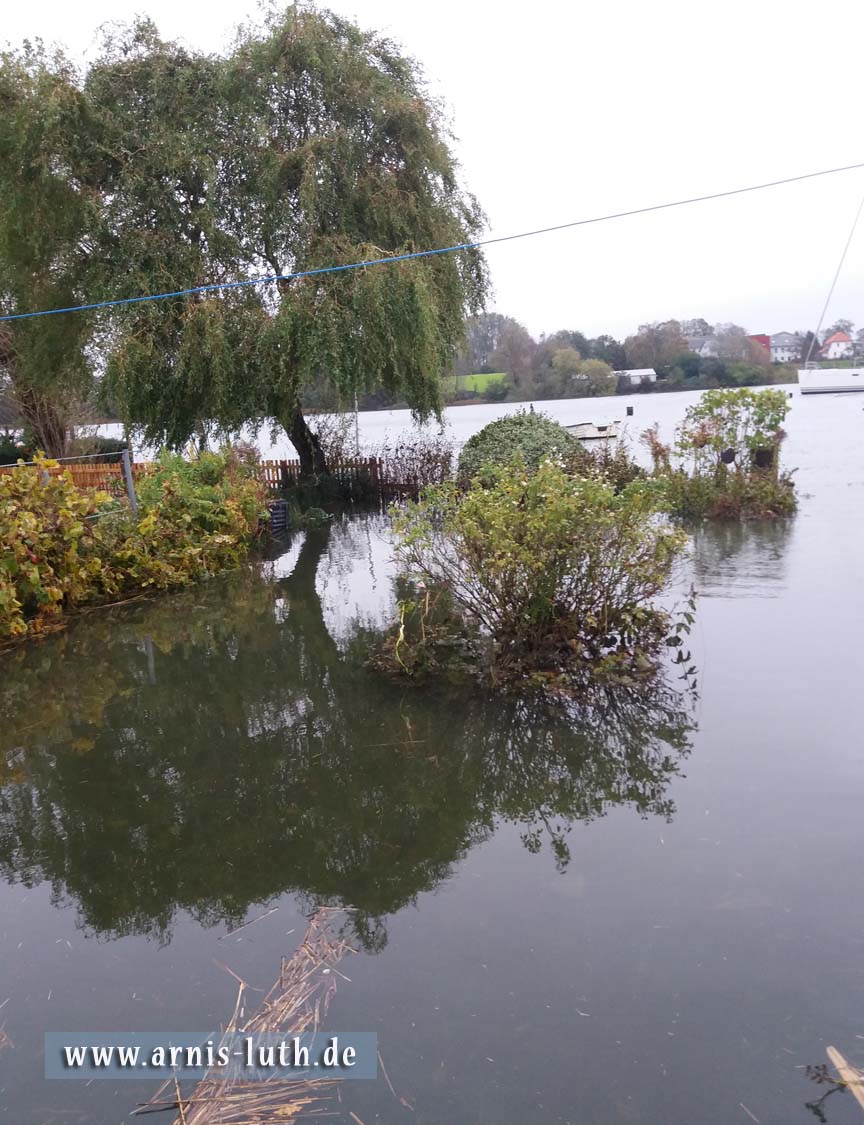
(830, 380)
(590, 431)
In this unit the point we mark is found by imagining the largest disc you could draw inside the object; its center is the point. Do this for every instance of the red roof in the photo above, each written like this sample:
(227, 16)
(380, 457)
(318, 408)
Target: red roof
(838, 338)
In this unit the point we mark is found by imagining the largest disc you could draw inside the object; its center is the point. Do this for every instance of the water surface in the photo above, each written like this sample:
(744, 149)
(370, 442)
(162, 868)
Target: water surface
(649, 911)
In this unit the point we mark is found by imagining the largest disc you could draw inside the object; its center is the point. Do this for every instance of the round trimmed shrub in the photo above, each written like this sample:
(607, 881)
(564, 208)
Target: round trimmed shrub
(534, 437)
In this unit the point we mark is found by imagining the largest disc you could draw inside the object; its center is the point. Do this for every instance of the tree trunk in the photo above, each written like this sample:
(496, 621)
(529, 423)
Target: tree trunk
(47, 423)
(313, 463)
(320, 652)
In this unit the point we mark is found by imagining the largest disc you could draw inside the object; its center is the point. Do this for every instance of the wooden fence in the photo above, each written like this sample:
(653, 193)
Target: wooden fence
(370, 475)
(106, 476)
(279, 476)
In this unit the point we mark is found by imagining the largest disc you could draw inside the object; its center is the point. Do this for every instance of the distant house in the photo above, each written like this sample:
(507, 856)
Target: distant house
(838, 346)
(763, 341)
(785, 347)
(703, 346)
(638, 375)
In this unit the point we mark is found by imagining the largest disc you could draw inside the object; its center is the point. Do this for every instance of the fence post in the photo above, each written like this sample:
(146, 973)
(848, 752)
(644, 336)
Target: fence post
(126, 458)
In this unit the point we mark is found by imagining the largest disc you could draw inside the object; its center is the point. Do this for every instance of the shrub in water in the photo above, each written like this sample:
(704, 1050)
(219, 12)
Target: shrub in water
(728, 457)
(557, 571)
(61, 546)
(533, 437)
(731, 427)
(50, 555)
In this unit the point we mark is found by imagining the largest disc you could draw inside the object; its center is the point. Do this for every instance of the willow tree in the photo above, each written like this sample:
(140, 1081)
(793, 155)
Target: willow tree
(156, 155)
(48, 213)
(311, 144)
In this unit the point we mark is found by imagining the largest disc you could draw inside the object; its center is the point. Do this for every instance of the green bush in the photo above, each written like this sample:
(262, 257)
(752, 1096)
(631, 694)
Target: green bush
(726, 462)
(734, 496)
(50, 555)
(558, 572)
(740, 421)
(497, 390)
(207, 490)
(612, 462)
(12, 449)
(533, 437)
(62, 547)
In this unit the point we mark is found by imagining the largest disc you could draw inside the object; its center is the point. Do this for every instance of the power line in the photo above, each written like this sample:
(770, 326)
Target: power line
(815, 336)
(430, 253)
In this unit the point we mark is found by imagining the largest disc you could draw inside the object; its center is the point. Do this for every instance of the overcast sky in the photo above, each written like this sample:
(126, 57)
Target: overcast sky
(564, 111)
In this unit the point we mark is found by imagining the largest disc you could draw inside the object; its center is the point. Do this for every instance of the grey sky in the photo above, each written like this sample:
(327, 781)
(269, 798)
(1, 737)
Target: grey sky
(564, 111)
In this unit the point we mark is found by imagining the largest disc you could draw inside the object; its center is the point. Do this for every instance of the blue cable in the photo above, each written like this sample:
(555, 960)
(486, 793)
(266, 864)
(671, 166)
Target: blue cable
(425, 253)
(239, 284)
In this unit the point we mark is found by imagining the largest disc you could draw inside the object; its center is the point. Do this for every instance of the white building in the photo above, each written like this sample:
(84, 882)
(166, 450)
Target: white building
(638, 375)
(838, 346)
(785, 347)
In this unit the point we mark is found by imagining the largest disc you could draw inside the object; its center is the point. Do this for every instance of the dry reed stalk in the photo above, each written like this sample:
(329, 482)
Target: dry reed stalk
(294, 1005)
(853, 1078)
(5, 1041)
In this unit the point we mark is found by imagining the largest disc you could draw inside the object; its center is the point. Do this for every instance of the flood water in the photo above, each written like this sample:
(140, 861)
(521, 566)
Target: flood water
(648, 913)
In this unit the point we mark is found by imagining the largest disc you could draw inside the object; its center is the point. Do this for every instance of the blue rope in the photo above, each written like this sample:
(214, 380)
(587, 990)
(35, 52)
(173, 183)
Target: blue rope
(426, 253)
(239, 284)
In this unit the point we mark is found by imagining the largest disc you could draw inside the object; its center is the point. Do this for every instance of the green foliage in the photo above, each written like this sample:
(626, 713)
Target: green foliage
(749, 495)
(49, 551)
(728, 457)
(558, 571)
(64, 547)
(534, 437)
(583, 378)
(611, 461)
(213, 490)
(594, 378)
(499, 389)
(48, 222)
(740, 420)
(531, 436)
(310, 144)
(693, 372)
(567, 363)
(479, 381)
(12, 450)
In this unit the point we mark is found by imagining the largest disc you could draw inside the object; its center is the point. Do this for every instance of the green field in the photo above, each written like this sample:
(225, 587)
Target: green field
(477, 382)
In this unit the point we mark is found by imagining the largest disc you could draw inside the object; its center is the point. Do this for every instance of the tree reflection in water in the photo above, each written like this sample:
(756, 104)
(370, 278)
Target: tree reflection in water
(212, 750)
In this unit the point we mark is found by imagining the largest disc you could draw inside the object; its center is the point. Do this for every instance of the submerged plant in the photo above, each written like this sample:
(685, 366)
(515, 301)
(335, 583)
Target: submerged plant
(730, 427)
(410, 466)
(726, 458)
(64, 547)
(531, 436)
(556, 571)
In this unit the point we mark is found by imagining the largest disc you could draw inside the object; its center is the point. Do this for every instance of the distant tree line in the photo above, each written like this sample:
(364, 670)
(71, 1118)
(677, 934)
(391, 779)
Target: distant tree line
(685, 354)
(570, 364)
